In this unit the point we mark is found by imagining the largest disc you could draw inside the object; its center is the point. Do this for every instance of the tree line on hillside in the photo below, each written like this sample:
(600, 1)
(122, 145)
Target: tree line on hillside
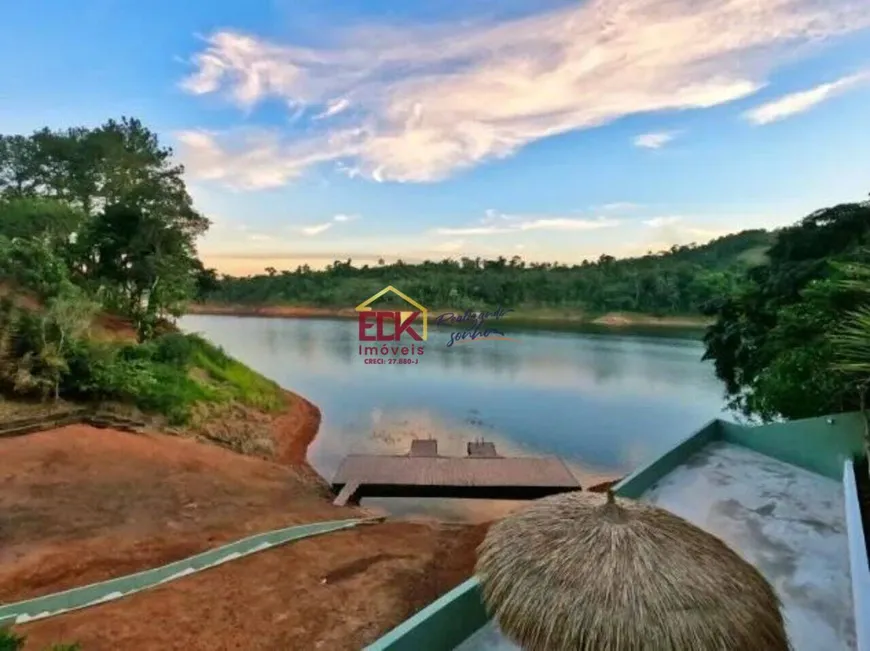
(99, 220)
(95, 222)
(677, 281)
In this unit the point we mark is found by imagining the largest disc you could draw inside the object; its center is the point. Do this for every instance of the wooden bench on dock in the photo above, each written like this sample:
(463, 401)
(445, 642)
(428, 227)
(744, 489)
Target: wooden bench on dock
(423, 472)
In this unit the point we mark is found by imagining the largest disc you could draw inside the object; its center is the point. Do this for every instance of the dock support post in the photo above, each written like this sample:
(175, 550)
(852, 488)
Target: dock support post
(347, 495)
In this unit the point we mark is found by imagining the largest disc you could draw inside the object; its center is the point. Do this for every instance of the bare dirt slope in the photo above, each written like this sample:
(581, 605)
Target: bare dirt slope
(79, 505)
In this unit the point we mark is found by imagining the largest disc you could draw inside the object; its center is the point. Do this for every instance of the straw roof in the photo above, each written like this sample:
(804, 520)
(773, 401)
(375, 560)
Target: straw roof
(588, 572)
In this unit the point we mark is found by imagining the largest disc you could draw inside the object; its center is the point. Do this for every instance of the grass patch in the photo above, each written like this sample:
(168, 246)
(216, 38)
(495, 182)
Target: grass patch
(240, 382)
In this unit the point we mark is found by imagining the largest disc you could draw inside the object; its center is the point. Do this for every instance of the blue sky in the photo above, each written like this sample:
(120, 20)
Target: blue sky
(328, 129)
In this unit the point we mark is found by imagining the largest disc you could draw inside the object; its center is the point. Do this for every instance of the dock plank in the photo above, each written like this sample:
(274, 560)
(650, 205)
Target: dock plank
(490, 477)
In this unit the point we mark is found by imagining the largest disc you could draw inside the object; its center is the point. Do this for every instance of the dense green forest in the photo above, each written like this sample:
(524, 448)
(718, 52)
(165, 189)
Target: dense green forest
(98, 222)
(678, 281)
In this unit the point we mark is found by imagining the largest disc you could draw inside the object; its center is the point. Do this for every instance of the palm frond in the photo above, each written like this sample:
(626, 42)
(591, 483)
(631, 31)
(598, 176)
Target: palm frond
(851, 342)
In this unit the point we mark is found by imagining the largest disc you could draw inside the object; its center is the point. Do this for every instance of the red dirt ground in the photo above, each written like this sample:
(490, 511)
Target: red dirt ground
(79, 505)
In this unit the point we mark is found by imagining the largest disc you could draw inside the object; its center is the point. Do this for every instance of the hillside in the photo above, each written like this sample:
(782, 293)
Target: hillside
(679, 281)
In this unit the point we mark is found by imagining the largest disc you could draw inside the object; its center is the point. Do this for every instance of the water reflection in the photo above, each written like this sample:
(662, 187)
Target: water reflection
(555, 359)
(604, 403)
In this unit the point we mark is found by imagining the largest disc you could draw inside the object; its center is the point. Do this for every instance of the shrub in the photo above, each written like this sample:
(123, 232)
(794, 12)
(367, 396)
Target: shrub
(136, 374)
(9, 641)
(175, 348)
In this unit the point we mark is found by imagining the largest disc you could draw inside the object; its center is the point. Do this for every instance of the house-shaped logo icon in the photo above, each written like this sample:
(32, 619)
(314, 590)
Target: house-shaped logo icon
(403, 319)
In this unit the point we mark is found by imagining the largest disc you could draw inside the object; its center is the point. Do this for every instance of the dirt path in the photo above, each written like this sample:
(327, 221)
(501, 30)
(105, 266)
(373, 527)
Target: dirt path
(79, 505)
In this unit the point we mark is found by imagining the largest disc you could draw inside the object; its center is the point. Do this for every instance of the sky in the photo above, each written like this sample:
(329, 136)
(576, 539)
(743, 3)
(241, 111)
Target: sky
(316, 130)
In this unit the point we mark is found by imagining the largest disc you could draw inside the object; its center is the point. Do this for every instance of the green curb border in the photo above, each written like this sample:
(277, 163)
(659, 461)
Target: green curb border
(98, 593)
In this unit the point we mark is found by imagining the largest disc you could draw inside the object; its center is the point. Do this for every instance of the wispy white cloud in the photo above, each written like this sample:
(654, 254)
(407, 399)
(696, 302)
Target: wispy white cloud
(432, 100)
(495, 223)
(677, 229)
(317, 229)
(261, 237)
(251, 160)
(654, 140)
(665, 231)
(567, 224)
(333, 107)
(804, 100)
(451, 246)
(472, 230)
(658, 222)
(619, 206)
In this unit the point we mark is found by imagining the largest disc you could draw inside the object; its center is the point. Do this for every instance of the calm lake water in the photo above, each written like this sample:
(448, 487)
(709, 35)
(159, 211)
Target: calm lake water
(605, 403)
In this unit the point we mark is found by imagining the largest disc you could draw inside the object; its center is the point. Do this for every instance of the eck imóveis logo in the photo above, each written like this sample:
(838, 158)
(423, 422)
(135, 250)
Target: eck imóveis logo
(392, 336)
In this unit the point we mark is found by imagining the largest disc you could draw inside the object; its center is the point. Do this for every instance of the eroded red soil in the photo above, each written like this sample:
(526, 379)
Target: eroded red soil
(80, 504)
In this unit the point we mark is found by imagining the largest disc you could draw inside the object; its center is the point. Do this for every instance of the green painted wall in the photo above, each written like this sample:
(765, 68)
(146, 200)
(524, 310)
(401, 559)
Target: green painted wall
(441, 625)
(812, 443)
(641, 479)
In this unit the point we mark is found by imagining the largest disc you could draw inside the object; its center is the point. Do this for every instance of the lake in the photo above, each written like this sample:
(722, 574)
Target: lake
(605, 403)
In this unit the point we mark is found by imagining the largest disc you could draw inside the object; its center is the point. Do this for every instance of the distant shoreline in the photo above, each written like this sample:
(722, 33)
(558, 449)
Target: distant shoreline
(543, 318)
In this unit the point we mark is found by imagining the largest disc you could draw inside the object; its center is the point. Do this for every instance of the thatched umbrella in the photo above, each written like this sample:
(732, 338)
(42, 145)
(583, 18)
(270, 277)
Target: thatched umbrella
(587, 572)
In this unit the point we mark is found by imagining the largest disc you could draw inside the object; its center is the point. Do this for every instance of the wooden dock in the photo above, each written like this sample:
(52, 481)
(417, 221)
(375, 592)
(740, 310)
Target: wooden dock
(423, 472)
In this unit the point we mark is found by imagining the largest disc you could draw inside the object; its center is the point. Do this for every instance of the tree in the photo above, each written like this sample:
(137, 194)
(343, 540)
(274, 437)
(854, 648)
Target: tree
(52, 222)
(17, 166)
(206, 281)
(33, 264)
(110, 203)
(68, 317)
(120, 162)
(143, 265)
(35, 345)
(770, 341)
